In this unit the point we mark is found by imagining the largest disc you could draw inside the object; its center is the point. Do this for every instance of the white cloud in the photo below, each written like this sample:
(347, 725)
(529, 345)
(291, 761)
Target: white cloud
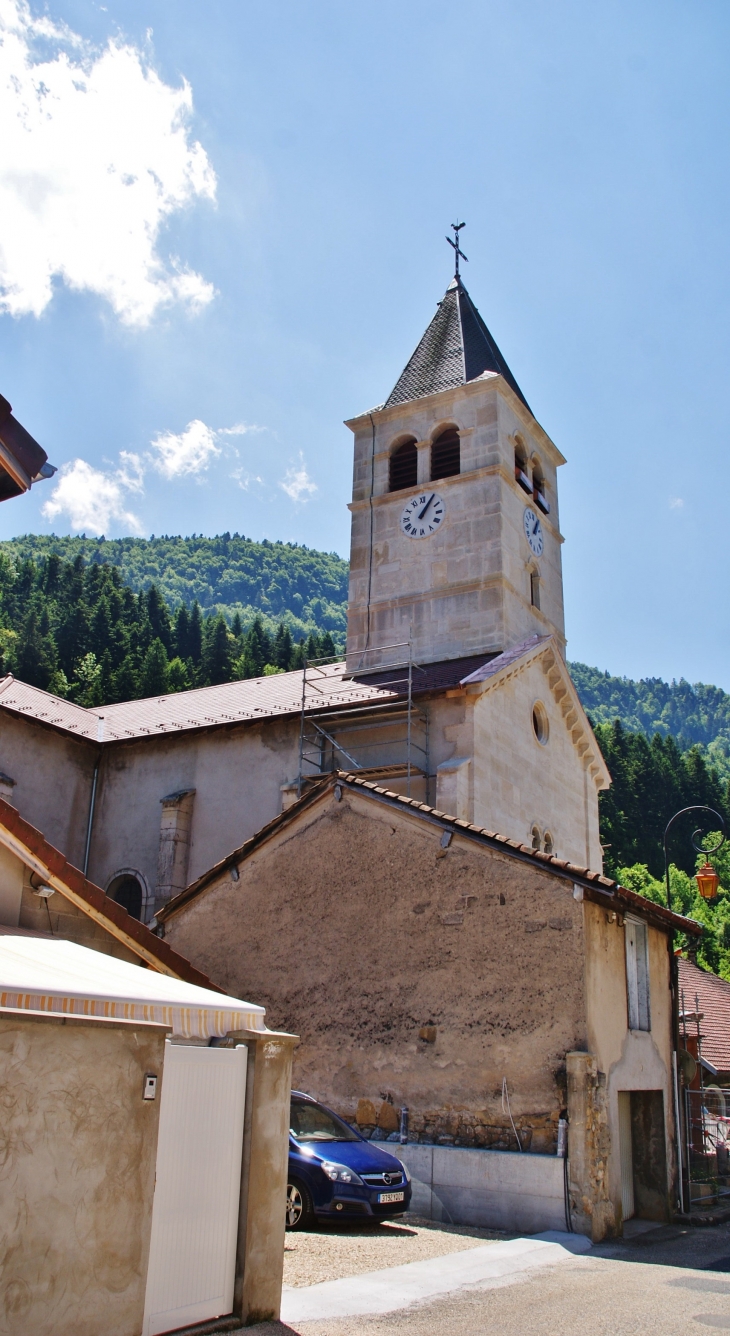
(92, 499)
(95, 156)
(190, 452)
(240, 429)
(297, 483)
(676, 503)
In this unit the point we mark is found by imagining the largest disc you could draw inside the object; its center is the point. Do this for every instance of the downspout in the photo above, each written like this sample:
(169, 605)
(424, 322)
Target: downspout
(90, 823)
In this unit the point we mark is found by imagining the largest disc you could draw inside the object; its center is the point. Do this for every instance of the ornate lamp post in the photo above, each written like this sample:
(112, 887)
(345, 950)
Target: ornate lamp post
(707, 882)
(707, 879)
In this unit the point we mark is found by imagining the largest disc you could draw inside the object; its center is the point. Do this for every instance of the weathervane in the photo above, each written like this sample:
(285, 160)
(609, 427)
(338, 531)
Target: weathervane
(458, 252)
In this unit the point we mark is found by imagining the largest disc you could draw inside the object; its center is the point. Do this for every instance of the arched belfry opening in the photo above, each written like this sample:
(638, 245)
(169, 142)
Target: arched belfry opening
(404, 466)
(446, 455)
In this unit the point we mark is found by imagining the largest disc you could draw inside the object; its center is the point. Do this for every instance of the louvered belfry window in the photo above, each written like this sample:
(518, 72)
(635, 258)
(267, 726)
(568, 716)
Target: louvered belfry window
(446, 455)
(404, 466)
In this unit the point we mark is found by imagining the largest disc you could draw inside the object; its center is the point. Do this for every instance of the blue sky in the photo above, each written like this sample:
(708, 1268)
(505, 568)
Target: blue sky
(221, 233)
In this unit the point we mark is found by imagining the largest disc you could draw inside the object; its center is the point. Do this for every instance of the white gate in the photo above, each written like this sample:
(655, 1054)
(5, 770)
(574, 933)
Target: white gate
(626, 1152)
(197, 1187)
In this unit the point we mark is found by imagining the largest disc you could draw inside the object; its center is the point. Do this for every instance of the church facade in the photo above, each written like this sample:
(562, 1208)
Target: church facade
(454, 690)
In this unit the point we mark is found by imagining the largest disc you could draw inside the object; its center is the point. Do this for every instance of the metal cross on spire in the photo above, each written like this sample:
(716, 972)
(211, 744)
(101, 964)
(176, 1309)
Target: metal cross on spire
(458, 252)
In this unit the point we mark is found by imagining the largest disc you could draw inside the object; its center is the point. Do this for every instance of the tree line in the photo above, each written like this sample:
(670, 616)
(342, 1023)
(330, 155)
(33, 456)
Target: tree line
(78, 631)
(229, 574)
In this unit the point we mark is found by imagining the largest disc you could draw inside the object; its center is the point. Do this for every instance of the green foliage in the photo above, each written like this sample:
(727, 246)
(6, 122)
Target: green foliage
(651, 781)
(713, 951)
(281, 582)
(76, 630)
(695, 716)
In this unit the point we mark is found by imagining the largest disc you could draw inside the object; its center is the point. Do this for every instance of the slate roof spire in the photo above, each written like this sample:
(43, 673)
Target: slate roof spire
(456, 348)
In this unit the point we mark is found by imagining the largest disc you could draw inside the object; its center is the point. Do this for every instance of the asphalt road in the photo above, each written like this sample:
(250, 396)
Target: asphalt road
(668, 1282)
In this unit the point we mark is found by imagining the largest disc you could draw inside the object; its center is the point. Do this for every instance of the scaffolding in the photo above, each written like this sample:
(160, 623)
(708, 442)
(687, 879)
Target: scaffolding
(387, 739)
(706, 1127)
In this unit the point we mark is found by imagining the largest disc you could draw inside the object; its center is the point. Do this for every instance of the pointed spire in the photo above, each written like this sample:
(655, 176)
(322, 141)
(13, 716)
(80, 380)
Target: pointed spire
(456, 348)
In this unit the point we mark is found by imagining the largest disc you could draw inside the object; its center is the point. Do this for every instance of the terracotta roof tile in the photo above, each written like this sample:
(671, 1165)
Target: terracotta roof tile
(714, 999)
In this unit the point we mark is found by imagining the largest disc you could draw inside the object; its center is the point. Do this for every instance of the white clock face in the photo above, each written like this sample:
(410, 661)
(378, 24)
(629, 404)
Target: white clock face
(533, 532)
(422, 515)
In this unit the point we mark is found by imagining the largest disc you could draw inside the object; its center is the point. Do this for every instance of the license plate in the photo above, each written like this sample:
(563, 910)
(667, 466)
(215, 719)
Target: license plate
(391, 1196)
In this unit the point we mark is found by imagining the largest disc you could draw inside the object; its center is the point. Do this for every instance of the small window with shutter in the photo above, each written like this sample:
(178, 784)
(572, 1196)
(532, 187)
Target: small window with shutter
(637, 974)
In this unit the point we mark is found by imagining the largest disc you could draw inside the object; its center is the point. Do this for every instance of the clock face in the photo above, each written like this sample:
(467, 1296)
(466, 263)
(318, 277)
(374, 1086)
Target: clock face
(533, 532)
(422, 515)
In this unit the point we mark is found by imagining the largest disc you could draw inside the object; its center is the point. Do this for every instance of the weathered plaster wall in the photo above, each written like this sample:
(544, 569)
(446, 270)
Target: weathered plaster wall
(356, 930)
(11, 888)
(77, 1171)
(237, 774)
(53, 775)
(629, 1060)
(59, 917)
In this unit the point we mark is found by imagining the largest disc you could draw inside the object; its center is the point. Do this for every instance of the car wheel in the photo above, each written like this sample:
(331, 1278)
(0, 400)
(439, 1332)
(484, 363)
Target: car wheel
(299, 1213)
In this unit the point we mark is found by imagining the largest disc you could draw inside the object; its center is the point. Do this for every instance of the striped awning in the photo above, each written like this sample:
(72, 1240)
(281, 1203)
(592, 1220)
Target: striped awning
(62, 978)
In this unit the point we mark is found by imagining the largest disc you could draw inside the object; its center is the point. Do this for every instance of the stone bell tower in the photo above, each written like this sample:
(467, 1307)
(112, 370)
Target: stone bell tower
(455, 535)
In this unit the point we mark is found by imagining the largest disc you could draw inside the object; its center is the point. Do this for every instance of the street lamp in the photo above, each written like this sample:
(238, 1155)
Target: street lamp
(22, 460)
(707, 879)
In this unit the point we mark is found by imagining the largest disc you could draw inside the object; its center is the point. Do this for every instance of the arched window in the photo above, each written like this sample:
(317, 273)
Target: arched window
(538, 488)
(404, 466)
(521, 474)
(535, 589)
(127, 891)
(446, 455)
(548, 842)
(536, 837)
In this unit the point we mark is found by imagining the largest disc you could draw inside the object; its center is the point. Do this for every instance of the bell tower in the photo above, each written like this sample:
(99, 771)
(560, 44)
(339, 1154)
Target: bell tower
(456, 545)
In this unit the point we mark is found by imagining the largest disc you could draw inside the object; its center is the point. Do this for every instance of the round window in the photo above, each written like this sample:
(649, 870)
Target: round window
(540, 722)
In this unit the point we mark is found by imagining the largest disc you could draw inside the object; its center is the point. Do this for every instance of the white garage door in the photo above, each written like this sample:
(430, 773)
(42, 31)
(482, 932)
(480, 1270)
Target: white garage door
(197, 1188)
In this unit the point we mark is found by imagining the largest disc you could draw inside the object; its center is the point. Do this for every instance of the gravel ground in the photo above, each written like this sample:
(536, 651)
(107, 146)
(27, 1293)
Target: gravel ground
(331, 1252)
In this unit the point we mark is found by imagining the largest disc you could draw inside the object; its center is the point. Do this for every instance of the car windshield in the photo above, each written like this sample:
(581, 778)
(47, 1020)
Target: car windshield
(310, 1122)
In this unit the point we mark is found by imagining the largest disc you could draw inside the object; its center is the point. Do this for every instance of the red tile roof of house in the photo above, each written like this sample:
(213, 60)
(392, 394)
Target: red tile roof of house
(713, 995)
(34, 850)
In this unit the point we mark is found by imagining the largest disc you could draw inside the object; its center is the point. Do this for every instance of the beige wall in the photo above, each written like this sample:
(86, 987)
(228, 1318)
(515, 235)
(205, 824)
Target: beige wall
(355, 929)
(466, 587)
(62, 918)
(78, 1172)
(237, 774)
(11, 888)
(53, 776)
(520, 783)
(631, 1060)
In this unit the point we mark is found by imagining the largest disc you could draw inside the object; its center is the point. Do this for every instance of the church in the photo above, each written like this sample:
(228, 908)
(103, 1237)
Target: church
(397, 853)
(454, 689)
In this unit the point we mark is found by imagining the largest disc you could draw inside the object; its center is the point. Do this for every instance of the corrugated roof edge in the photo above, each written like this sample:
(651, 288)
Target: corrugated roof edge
(593, 881)
(135, 935)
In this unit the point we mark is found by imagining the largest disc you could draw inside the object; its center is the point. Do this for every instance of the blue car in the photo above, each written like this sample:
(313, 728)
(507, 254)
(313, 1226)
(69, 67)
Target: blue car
(335, 1173)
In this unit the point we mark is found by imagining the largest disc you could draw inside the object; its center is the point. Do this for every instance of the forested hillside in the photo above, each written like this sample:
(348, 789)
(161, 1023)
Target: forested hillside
(307, 590)
(77, 630)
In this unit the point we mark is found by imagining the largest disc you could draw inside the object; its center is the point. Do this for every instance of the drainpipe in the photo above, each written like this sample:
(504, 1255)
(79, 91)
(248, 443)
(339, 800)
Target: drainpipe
(92, 804)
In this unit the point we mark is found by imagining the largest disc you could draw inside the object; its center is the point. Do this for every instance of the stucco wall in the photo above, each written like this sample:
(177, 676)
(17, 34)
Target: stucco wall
(61, 918)
(356, 929)
(237, 774)
(11, 888)
(53, 775)
(631, 1060)
(78, 1172)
